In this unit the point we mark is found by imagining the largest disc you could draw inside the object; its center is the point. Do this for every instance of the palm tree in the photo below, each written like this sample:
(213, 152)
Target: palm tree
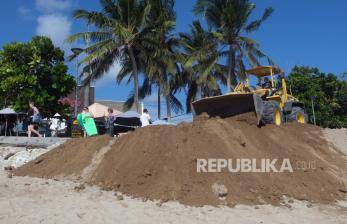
(160, 64)
(229, 18)
(203, 72)
(159, 60)
(120, 25)
(161, 49)
(172, 76)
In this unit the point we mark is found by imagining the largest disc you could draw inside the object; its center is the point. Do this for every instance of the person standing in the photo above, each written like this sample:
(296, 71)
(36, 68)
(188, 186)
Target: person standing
(55, 125)
(35, 120)
(109, 119)
(88, 115)
(145, 118)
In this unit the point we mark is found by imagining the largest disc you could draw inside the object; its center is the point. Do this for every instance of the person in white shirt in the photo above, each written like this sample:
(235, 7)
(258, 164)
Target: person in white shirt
(55, 124)
(145, 118)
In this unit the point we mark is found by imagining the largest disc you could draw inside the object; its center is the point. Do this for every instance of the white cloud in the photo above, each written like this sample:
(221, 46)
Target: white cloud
(55, 26)
(24, 12)
(52, 5)
(109, 77)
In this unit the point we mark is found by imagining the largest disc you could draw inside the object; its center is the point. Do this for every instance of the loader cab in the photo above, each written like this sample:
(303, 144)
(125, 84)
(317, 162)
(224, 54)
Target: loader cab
(271, 83)
(264, 74)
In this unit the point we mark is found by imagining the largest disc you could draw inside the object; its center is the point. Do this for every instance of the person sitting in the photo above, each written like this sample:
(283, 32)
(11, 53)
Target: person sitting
(19, 127)
(267, 83)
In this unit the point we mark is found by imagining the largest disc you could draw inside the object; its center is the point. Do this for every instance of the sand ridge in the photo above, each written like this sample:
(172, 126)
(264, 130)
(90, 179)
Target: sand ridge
(159, 163)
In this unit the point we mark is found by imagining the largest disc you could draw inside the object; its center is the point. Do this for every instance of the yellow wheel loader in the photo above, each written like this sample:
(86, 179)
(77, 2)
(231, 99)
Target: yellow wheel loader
(269, 99)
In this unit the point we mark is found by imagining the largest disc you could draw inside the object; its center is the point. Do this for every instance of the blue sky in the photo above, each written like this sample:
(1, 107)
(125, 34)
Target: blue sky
(309, 32)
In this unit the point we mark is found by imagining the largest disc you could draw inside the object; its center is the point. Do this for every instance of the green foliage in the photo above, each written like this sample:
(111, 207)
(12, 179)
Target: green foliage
(230, 20)
(329, 92)
(203, 74)
(120, 28)
(137, 34)
(34, 71)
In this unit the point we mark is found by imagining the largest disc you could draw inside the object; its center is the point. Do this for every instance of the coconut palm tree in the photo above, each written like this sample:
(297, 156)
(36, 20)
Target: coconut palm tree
(162, 54)
(120, 25)
(230, 20)
(203, 72)
(171, 79)
(162, 69)
(159, 61)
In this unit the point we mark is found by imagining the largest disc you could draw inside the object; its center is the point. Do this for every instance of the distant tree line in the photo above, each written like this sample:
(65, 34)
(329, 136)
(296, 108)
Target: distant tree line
(327, 92)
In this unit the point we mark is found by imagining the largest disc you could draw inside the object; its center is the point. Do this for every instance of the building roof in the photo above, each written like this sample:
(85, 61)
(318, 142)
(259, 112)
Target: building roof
(116, 105)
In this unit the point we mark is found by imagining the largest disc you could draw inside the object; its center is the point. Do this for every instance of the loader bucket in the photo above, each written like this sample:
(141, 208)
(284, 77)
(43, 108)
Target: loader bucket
(229, 105)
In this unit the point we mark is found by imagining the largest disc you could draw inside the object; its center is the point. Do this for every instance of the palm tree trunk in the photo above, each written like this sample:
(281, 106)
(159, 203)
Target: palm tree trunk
(159, 104)
(199, 92)
(136, 78)
(168, 108)
(231, 69)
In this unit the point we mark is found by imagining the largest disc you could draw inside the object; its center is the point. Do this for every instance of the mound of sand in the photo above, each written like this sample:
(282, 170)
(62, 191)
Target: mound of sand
(160, 162)
(67, 160)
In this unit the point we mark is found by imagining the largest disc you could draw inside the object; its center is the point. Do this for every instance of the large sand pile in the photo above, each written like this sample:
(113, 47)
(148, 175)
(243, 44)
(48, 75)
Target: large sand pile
(159, 162)
(67, 160)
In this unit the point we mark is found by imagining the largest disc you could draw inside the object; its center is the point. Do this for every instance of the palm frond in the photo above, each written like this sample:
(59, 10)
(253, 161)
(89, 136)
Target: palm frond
(175, 104)
(254, 25)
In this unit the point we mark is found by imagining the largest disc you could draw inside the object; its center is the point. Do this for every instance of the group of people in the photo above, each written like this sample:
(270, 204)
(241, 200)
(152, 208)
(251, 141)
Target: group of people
(31, 122)
(145, 119)
(35, 119)
(19, 123)
(110, 118)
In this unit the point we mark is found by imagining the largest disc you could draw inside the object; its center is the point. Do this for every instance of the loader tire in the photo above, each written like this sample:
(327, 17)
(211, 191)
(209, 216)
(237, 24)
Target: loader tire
(297, 115)
(272, 113)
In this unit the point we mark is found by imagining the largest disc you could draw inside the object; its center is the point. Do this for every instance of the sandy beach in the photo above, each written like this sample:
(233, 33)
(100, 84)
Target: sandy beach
(173, 112)
(36, 200)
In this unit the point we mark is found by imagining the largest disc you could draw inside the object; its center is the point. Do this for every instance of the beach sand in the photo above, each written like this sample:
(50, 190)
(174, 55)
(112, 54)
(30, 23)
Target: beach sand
(34, 200)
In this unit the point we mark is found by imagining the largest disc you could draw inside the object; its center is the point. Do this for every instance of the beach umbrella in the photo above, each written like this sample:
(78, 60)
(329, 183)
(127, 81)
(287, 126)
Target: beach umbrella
(56, 115)
(99, 110)
(6, 112)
